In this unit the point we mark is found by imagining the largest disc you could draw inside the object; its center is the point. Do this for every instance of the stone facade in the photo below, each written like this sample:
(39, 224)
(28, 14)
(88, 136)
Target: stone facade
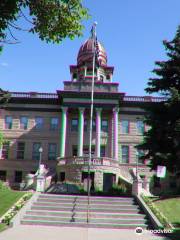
(117, 127)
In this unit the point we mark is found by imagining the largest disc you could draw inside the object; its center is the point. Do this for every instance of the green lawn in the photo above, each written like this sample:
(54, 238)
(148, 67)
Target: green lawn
(8, 198)
(3, 226)
(170, 208)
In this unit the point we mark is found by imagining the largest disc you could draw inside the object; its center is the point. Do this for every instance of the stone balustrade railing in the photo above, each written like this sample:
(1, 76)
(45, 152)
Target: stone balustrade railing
(102, 161)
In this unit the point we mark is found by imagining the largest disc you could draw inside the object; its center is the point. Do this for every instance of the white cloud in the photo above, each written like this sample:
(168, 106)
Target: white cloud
(4, 64)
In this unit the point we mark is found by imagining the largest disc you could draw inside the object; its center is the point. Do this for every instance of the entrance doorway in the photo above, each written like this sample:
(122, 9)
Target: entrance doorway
(84, 179)
(108, 180)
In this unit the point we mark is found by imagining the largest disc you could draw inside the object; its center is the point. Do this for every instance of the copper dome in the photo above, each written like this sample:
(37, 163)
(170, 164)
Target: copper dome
(85, 53)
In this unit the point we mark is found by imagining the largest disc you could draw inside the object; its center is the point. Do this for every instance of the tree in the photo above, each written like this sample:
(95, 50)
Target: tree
(162, 141)
(52, 20)
(4, 98)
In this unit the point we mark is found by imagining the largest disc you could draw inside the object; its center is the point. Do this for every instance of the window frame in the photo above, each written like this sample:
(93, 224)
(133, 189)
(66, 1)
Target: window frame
(139, 153)
(126, 155)
(18, 179)
(20, 151)
(140, 127)
(52, 155)
(36, 154)
(5, 150)
(54, 126)
(105, 128)
(8, 125)
(39, 126)
(125, 129)
(22, 124)
(3, 177)
(74, 128)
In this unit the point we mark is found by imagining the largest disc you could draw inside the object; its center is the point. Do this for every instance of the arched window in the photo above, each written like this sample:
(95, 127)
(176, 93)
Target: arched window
(108, 77)
(74, 76)
(101, 78)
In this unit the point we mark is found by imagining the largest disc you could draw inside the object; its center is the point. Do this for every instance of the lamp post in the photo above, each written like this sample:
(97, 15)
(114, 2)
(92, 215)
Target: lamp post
(40, 158)
(137, 157)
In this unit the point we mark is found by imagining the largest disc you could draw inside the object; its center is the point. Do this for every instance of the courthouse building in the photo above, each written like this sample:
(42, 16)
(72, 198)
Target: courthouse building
(59, 124)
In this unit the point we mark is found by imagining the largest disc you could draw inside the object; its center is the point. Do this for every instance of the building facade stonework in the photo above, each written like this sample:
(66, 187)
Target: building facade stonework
(59, 123)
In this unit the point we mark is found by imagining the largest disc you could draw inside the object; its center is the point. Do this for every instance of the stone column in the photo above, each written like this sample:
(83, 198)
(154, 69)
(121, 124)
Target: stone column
(63, 131)
(0, 151)
(85, 71)
(98, 132)
(115, 128)
(80, 132)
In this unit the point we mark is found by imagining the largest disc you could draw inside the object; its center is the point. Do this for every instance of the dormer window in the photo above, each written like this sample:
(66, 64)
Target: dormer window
(108, 77)
(74, 76)
(101, 78)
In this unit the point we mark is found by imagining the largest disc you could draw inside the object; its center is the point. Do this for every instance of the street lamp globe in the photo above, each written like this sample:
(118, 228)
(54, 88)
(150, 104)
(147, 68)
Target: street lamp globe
(40, 150)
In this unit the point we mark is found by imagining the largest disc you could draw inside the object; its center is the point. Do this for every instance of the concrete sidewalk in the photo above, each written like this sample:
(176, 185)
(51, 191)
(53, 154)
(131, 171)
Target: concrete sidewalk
(23, 232)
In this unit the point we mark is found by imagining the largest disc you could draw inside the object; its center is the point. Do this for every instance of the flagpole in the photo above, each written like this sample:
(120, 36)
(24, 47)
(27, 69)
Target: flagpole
(91, 114)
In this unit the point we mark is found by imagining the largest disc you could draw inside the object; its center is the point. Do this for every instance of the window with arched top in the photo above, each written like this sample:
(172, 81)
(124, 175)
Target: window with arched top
(108, 77)
(74, 76)
(101, 78)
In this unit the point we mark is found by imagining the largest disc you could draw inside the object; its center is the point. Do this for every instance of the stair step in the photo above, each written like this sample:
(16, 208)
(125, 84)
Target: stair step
(85, 197)
(80, 209)
(96, 225)
(81, 201)
(84, 214)
(92, 205)
(71, 210)
(84, 219)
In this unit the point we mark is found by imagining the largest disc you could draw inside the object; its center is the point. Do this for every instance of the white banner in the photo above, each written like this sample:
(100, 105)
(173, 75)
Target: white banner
(161, 171)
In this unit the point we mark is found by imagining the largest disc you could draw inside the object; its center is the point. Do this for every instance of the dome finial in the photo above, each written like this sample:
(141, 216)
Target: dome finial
(93, 31)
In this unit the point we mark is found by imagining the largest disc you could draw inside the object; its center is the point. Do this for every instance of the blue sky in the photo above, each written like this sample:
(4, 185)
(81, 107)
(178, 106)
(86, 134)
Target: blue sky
(130, 30)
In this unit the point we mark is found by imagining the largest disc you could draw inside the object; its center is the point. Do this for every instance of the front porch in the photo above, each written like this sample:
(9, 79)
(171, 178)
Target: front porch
(73, 169)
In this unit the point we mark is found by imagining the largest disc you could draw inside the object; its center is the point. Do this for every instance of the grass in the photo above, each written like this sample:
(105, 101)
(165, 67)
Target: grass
(170, 207)
(8, 198)
(3, 226)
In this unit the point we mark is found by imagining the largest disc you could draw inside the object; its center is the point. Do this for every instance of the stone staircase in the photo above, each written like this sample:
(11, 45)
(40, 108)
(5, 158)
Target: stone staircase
(71, 210)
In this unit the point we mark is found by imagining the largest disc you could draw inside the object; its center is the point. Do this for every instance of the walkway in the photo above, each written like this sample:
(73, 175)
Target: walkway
(23, 232)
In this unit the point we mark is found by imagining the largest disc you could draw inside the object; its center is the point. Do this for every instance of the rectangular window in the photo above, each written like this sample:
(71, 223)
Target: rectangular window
(54, 122)
(94, 125)
(125, 154)
(23, 122)
(85, 125)
(103, 151)
(139, 154)
(8, 122)
(140, 126)
(2, 175)
(85, 176)
(74, 151)
(62, 176)
(52, 151)
(20, 150)
(104, 125)
(74, 125)
(18, 177)
(38, 122)
(35, 152)
(86, 151)
(5, 150)
(125, 126)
